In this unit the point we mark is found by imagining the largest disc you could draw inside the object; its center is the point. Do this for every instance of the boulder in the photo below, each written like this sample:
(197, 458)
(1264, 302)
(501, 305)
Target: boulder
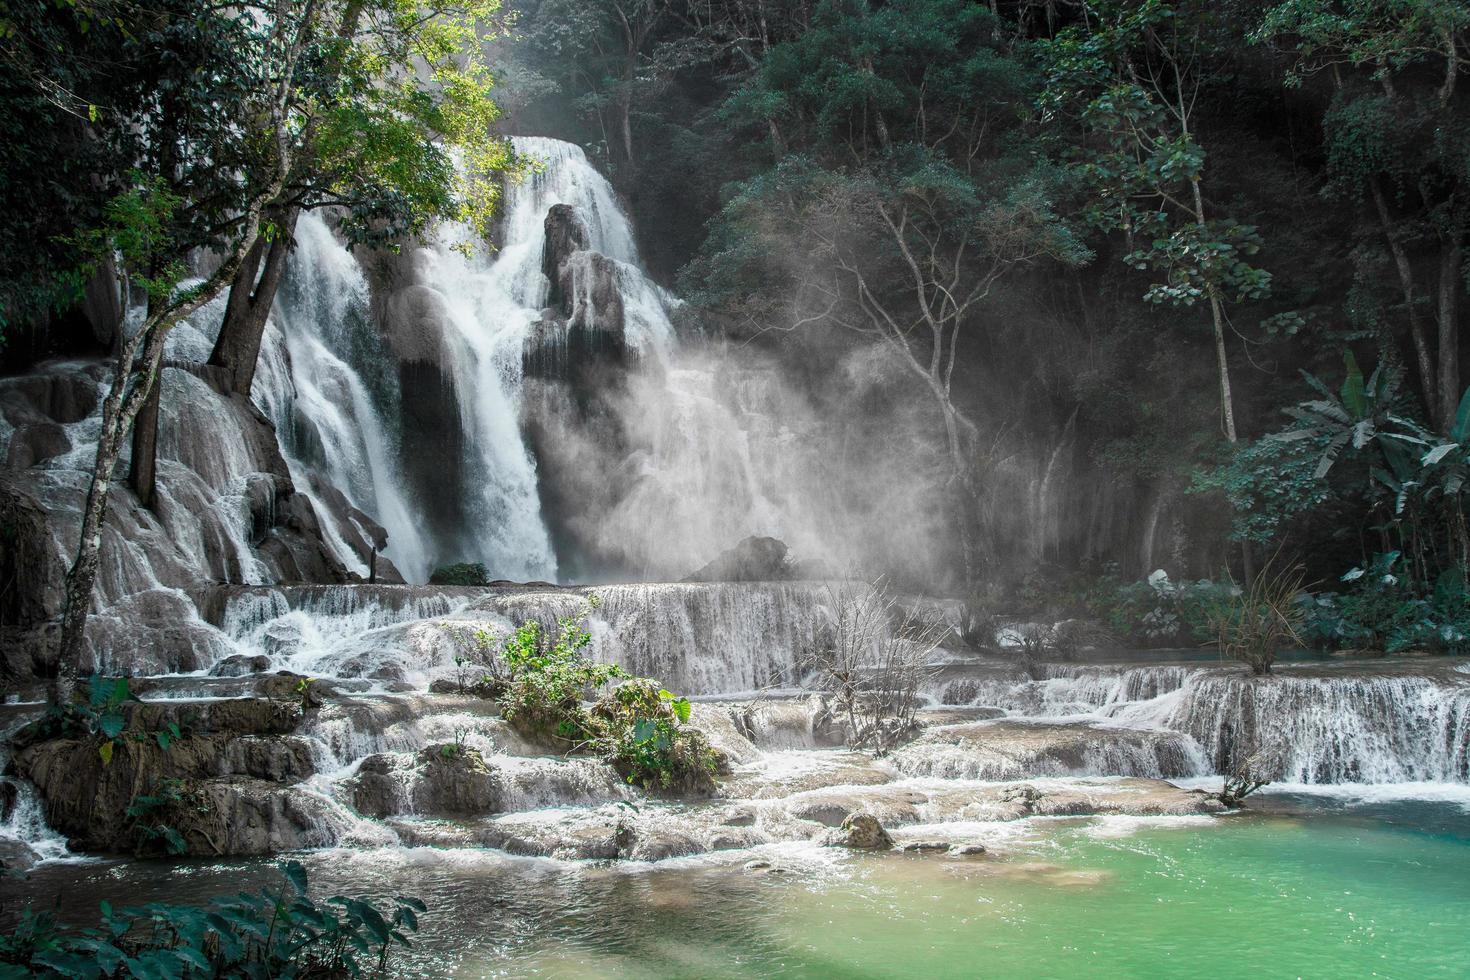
(16, 857)
(444, 780)
(224, 784)
(861, 831)
(241, 665)
(36, 443)
(455, 781)
(565, 234)
(755, 559)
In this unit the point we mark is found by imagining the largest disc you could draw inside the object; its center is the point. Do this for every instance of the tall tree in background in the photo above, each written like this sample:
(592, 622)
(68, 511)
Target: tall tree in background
(901, 191)
(1398, 134)
(1131, 74)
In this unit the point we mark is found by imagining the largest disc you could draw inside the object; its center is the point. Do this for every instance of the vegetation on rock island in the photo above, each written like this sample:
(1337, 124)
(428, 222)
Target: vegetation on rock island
(541, 680)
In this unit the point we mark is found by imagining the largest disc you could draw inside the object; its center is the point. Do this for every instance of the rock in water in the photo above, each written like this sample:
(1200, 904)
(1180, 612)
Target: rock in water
(565, 234)
(756, 559)
(861, 831)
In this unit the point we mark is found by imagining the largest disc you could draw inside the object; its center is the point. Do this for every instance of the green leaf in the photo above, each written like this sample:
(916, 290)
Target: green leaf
(1460, 431)
(1352, 387)
(105, 751)
(296, 874)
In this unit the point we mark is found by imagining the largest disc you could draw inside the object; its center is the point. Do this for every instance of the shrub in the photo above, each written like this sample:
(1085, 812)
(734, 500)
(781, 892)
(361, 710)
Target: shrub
(1253, 624)
(541, 682)
(1157, 611)
(1384, 609)
(641, 733)
(871, 656)
(467, 573)
(275, 932)
(543, 679)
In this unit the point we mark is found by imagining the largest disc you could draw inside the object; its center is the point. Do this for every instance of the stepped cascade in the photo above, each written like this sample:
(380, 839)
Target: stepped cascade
(532, 408)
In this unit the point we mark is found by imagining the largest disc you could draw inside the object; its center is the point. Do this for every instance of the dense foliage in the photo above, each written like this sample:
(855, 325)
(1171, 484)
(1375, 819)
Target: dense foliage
(278, 931)
(541, 681)
(1022, 239)
(1154, 199)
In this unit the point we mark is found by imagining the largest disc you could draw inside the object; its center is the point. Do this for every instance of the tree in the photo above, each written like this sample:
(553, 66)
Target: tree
(1396, 134)
(200, 156)
(389, 90)
(605, 54)
(900, 194)
(1131, 74)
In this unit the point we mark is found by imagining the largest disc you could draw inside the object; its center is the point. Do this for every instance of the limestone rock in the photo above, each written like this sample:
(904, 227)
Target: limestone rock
(36, 443)
(755, 559)
(861, 831)
(565, 234)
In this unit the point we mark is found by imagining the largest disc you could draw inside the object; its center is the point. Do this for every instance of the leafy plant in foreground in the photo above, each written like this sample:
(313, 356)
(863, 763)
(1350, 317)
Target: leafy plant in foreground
(276, 932)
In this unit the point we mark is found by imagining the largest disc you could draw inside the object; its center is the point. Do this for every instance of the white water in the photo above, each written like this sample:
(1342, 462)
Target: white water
(331, 426)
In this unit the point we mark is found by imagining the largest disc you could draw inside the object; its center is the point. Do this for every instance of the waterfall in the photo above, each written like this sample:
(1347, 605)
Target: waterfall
(707, 639)
(1351, 723)
(321, 382)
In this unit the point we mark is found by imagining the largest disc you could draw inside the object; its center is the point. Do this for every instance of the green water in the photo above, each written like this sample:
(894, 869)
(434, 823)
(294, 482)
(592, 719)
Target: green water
(1312, 895)
(1245, 897)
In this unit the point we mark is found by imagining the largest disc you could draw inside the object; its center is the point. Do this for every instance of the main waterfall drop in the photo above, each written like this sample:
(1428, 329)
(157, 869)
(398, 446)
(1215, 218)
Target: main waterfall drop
(510, 403)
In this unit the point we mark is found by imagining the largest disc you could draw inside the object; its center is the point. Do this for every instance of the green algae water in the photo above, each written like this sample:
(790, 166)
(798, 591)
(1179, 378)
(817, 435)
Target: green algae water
(1315, 893)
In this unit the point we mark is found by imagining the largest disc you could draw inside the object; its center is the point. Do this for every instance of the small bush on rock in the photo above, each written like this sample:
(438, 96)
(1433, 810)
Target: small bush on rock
(545, 678)
(641, 733)
(542, 682)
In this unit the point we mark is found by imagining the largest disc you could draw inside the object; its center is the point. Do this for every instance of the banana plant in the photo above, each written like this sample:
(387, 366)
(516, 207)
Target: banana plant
(1354, 415)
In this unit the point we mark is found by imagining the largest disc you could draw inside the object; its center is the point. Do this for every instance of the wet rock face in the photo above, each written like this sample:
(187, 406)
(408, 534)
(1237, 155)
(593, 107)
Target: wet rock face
(225, 786)
(36, 443)
(441, 780)
(565, 234)
(27, 556)
(756, 559)
(226, 510)
(1010, 750)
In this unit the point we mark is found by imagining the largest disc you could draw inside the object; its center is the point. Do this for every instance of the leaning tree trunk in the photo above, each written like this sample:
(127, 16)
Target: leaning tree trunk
(252, 294)
(119, 409)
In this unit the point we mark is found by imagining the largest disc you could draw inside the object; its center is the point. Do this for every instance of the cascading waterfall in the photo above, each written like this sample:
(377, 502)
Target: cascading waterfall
(1373, 723)
(708, 639)
(314, 383)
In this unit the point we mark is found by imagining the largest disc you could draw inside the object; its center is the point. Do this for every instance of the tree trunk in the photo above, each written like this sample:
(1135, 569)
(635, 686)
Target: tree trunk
(1450, 259)
(143, 471)
(1227, 400)
(969, 499)
(1418, 335)
(1222, 361)
(119, 409)
(252, 294)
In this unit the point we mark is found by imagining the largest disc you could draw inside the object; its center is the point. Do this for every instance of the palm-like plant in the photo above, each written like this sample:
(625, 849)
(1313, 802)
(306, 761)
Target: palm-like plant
(1410, 462)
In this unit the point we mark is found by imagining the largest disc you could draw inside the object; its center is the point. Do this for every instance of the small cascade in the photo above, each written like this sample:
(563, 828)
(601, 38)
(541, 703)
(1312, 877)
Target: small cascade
(1364, 723)
(1394, 728)
(722, 638)
(25, 838)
